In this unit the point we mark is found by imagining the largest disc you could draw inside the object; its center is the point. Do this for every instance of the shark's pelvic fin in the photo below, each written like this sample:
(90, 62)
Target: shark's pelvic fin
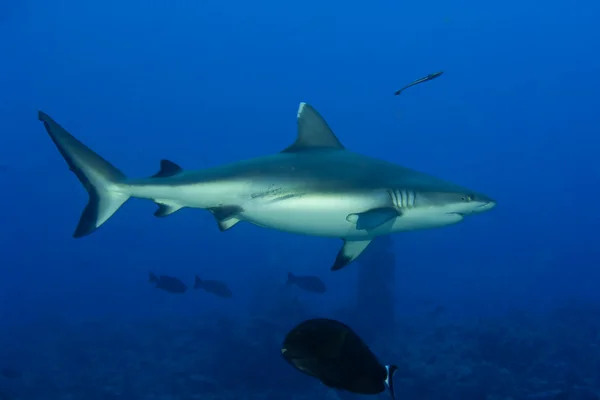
(226, 216)
(313, 132)
(166, 208)
(349, 252)
(101, 180)
(374, 218)
(167, 169)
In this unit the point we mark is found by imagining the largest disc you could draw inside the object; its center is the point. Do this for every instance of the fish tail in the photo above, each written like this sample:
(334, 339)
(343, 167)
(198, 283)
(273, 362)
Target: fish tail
(197, 282)
(389, 381)
(152, 278)
(290, 279)
(102, 181)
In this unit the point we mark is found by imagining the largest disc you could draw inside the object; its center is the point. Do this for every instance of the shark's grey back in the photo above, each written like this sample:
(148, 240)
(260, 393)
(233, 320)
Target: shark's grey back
(324, 168)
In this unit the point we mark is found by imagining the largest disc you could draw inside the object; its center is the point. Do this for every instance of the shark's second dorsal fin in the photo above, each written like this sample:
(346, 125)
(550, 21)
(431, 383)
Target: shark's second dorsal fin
(167, 169)
(313, 132)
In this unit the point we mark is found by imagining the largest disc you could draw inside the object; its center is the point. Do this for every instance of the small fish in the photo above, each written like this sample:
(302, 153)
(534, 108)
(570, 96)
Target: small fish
(562, 395)
(331, 352)
(10, 373)
(309, 283)
(420, 80)
(437, 311)
(215, 287)
(168, 283)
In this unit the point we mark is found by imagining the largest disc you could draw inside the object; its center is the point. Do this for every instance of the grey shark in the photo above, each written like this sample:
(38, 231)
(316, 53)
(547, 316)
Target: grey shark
(313, 187)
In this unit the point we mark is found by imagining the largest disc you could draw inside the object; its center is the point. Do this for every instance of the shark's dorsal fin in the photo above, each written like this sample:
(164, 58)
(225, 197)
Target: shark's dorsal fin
(167, 169)
(313, 132)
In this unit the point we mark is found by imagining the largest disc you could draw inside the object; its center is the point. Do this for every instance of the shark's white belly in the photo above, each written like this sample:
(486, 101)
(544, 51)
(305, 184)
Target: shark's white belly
(309, 215)
(423, 219)
(327, 216)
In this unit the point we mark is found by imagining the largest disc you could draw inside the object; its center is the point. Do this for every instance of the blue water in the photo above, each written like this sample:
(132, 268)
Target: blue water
(515, 116)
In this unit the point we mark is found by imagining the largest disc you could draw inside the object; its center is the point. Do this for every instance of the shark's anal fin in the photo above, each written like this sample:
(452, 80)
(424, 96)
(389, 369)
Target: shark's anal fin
(226, 216)
(374, 218)
(349, 252)
(313, 132)
(167, 169)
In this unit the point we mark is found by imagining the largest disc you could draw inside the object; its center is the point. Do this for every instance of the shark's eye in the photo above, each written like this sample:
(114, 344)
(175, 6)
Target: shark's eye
(467, 198)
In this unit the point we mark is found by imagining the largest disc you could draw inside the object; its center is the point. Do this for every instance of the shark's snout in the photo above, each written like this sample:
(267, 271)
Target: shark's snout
(485, 205)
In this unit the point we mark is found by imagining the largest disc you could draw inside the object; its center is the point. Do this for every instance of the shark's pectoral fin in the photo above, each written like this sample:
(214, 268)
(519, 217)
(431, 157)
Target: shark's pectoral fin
(166, 208)
(313, 132)
(226, 216)
(167, 169)
(349, 252)
(374, 218)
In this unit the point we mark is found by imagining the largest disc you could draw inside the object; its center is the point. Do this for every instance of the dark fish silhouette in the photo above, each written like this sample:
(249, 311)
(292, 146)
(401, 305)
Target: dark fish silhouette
(562, 395)
(168, 283)
(331, 352)
(215, 287)
(308, 283)
(10, 373)
(437, 311)
(420, 80)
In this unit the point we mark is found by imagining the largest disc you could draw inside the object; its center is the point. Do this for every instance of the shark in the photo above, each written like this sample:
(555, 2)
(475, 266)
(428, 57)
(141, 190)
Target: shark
(315, 187)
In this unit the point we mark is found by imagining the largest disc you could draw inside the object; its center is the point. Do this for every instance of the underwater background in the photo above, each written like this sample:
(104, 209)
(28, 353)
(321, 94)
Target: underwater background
(504, 305)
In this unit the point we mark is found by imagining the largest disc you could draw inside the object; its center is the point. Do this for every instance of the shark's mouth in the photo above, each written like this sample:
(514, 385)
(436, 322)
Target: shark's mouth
(456, 213)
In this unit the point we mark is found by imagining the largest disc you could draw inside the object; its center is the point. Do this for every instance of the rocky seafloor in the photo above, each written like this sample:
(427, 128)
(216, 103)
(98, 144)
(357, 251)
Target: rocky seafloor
(516, 356)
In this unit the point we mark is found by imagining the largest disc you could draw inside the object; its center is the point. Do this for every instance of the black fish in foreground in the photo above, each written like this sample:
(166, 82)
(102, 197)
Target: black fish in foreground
(215, 287)
(420, 80)
(308, 283)
(168, 283)
(331, 352)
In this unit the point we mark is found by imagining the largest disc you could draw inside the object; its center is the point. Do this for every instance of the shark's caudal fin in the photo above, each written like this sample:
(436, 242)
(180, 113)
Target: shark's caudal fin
(313, 132)
(97, 175)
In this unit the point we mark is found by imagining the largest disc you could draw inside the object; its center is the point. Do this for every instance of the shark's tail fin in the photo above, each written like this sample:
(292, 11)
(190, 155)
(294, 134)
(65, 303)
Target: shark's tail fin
(98, 176)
